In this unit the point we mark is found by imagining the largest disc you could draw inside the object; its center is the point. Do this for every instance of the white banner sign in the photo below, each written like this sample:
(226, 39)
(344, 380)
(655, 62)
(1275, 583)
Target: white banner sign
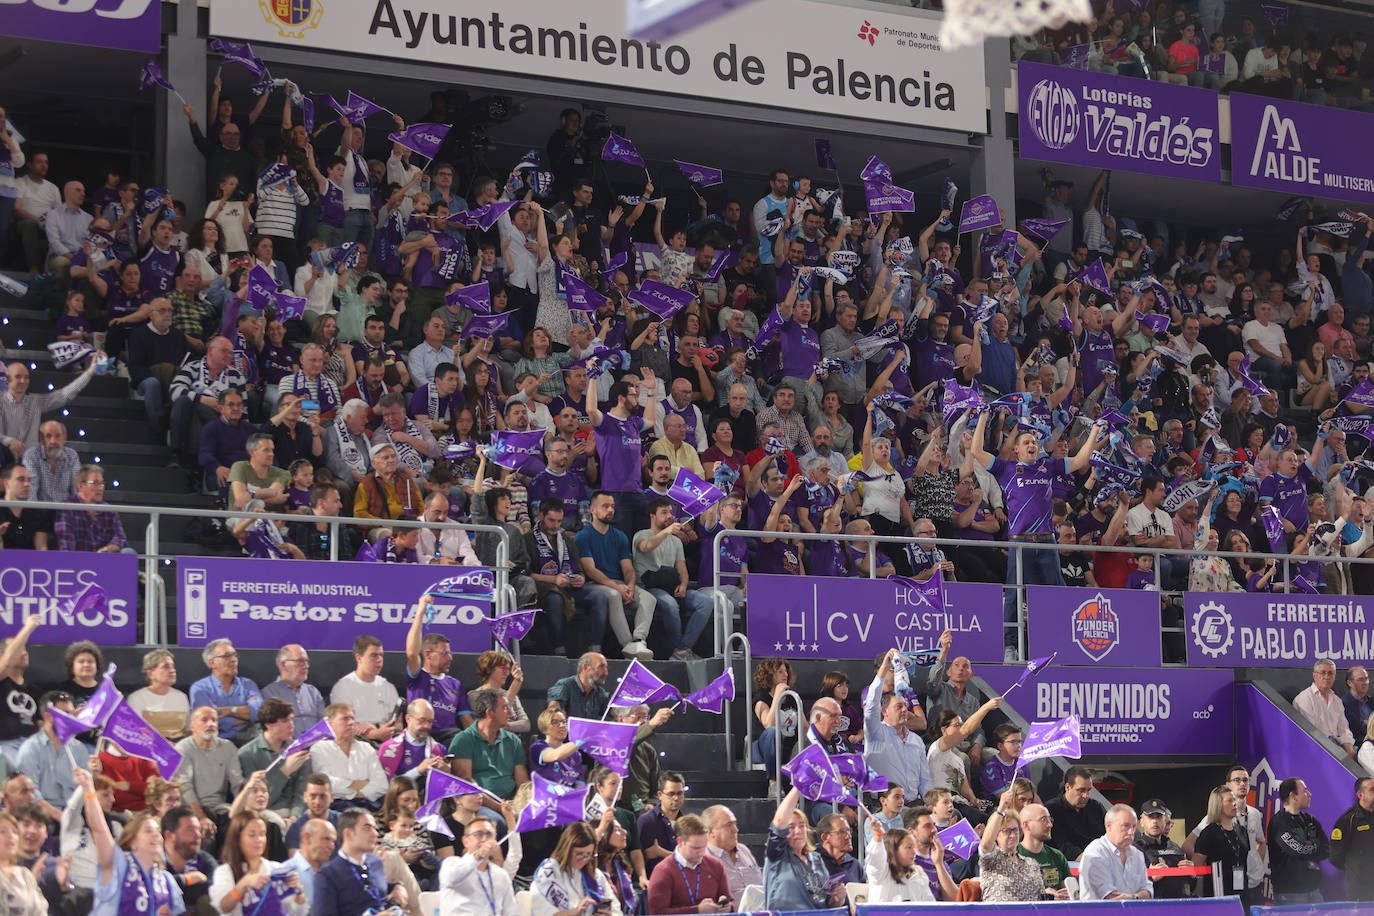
(801, 55)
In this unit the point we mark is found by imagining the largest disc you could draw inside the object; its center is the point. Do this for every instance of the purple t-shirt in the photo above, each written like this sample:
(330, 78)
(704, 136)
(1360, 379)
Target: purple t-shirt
(1095, 347)
(1252, 583)
(778, 557)
(1140, 579)
(859, 555)
(618, 446)
(829, 558)
(276, 363)
(331, 205)
(1029, 492)
(801, 349)
(934, 360)
(568, 488)
(419, 403)
(734, 553)
(70, 324)
(815, 499)
(1289, 494)
(445, 694)
(565, 772)
(979, 514)
(158, 271)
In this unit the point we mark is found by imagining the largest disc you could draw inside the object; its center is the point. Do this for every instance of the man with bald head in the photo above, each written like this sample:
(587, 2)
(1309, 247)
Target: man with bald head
(1036, 828)
(21, 411)
(156, 350)
(307, 703)
(54, 466)
(675, 447)
(413, 752)
(825, 731)
(195, 392)
(743, 421)
(319, 838)
(66, 227)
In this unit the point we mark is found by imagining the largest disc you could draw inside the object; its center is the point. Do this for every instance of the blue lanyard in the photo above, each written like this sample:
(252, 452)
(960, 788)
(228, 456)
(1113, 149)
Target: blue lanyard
(694, 892)
(490, 890)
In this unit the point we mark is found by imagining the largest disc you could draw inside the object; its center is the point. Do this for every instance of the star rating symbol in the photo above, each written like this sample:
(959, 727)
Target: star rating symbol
(791, 646)
(815, 647)
(777, 647)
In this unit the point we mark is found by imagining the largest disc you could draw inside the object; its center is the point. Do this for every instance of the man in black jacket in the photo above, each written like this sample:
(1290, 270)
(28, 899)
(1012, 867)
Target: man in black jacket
(1297, 845)
(1352, 842)
(1078, 820)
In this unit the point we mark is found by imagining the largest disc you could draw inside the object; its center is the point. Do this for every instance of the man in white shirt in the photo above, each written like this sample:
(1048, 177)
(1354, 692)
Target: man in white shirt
(520, 254)
(36, 196)
(357, 188)
(468, 883)
(890, 748)
(66, 228)
(1320, 705)
(1267, 346)
(444, 546)
(355, 772)
(1112, 868)
(1148, 525)
(372, 697)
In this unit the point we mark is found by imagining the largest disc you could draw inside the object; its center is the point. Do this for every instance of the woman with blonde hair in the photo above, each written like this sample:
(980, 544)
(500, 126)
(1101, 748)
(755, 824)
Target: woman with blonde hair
(160, 704)
(1220, 841)
(794, 875)
(129, 878)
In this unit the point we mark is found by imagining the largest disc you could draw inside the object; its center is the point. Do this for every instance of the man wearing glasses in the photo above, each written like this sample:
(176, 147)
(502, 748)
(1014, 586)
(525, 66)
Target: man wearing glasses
(1000, 770)
(293, 662)
(469, 883)
(1248, 819)
(235, 699)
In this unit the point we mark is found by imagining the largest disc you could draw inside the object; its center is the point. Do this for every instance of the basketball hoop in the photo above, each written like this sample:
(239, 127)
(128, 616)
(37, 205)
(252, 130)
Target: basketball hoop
(968, 22)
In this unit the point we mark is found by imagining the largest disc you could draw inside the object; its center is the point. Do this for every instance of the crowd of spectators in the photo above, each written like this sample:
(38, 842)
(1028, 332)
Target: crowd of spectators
(1254, 49)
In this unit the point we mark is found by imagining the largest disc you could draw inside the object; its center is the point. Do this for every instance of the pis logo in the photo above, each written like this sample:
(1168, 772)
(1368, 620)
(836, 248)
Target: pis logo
(292, 18)
(1096, 627)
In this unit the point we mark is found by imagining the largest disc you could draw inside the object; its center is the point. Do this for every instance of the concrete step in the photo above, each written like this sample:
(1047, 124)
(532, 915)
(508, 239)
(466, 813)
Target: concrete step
(97, 427)
(100, 386)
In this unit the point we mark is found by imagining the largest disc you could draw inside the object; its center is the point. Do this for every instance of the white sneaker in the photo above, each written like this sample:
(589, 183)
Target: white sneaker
(639, 650)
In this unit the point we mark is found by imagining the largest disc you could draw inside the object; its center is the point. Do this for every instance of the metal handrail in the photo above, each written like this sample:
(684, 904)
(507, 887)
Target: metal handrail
(802, 728)
(155, 611)
(748, 700)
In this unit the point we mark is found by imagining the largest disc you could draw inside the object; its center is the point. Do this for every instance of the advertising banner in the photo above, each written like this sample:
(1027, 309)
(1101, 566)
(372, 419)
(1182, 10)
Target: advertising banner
(1274, 748)
(1091, 627)
(1204, 906)
(820, 617)
(1235, 630)
(265, 604)
(1115, 122)
(874, 63)
(1287, 146)
(130, 25)
(45, 582)
(1132, 711)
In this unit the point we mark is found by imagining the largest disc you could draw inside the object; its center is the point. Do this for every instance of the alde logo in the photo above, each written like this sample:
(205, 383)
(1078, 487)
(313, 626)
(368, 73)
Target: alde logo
(1213, 629)
(1096, 627)
(868, 32)
(1053, 114)
(1278, 151)
(293, 18)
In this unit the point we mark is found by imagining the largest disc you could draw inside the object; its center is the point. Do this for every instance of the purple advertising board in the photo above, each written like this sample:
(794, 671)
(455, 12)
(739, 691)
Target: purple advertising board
(1114, 122)
(1287, 146)
(1094, 627)
(1273, 747)
(129, 25)
(43, 581)
(1236, 630)
(819, 617)
(265, 604)
(1129, 711)
(1202, 906)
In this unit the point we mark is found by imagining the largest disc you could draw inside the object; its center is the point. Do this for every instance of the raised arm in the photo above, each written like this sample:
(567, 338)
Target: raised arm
(101, 837)
(415, 635)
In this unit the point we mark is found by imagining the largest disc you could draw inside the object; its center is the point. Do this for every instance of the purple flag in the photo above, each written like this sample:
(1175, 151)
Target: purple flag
(1076, 56)
(424, 139)
(131, 734)
(931, 592)
(261, 287)
(882, 196)
(1362, 394)
(980, 212)
(531, 160)
(640, 685)
(241, 54)
(1094, 276)
(320, 731)
(552, 805)
(1113, 417)
(1277, 15)
(288, 306)
(724, 258)
(825, 159)
(152, 76)
(614, 263)
(703, 175)
(359, 109)
(605, 742)
(582, 296)
(1185, 492)
(1302, 584)
(484, 326)
(1357, 425)
(519, 450)
(93, 714)
(1157, 324)
(1252, 386)
(477, 582)
(515, 625)
(712, 697)
(65, 352)
(814, 775)
(957, 398)
(692, 493)
(1051, 739)
(875, 168)
(619, 149)
(1044, 229)
(476, 298)
(663, 300)
(483, 217)
(852, 767)
(1033, 667)
(308, 114)
(1273, 527)
(276, 175)
(959, 840)
(91, 598)
(439, 786)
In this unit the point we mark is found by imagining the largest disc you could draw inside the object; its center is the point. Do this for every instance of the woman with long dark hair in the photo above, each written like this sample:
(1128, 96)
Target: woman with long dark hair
(244, 877)
(568, 883)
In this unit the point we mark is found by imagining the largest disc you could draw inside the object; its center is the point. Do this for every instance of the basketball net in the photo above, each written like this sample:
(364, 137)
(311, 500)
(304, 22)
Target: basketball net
(968, 22)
